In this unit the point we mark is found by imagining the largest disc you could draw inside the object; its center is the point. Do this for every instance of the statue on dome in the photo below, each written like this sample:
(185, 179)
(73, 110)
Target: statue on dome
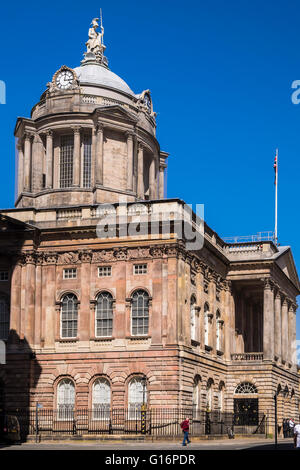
(95, 43)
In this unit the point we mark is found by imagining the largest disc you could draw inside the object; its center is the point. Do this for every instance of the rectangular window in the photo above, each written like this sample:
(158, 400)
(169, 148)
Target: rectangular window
(104, 271)
(70, 273)
(66, 160)
(87, 160)
(3, 275)
(140, 268)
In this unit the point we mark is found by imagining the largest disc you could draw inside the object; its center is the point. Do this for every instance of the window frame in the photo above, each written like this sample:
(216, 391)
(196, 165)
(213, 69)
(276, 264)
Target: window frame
(104, 414)
(70, 413)
(112, 314)
(138, 334)
(76, 303)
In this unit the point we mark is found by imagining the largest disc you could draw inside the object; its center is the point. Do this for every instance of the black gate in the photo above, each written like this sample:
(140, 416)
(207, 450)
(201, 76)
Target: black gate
(246, 411)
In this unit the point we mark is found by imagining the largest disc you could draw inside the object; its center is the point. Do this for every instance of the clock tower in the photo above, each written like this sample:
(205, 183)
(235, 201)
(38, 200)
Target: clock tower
(90, 139)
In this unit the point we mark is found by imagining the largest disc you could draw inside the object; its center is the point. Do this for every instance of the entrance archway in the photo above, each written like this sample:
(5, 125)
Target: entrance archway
(246, 405)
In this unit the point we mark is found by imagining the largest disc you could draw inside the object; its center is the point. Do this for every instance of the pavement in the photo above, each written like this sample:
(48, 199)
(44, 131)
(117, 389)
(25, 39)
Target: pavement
(174, 446)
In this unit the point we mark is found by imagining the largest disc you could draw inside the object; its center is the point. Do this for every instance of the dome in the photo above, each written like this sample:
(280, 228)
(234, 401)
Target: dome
(96, 74)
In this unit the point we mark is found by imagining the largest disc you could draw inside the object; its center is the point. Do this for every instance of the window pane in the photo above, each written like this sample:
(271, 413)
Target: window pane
(66, 161)
(87, 159)
(65, 399)
(104, 314)
(69, 316)
(4, 318)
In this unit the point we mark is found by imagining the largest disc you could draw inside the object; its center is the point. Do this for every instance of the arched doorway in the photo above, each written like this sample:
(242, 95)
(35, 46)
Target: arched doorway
(246, 404)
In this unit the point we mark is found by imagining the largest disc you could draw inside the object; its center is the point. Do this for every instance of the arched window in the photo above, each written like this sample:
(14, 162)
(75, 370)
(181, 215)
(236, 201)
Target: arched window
(140, 313)
(104, 314)
(4, 318)
(69, 316)
(245, 387)
(219, 332)
(221, 396)
(101, 399)
(137, 396)
(206, 324)
(196, 395)
(193, 319)
(65, 399)
(209, 390)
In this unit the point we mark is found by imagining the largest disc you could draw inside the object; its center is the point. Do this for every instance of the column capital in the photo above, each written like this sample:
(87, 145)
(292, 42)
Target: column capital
(268, 283)
(129, 134)
(99, 127)
(49, 133)
(76, 129)
(278, 294)
(28, 135)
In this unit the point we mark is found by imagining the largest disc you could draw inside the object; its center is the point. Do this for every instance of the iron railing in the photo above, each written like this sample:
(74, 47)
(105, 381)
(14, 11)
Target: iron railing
(163, 422)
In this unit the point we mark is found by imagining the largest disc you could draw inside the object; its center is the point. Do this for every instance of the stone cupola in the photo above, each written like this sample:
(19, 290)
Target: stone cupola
(90, 139)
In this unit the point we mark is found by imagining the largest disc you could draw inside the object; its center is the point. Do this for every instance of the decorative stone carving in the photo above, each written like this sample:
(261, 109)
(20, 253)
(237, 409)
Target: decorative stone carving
(120, 253)
(103, 256)
(70, 257)
(86, 256)
(157, 251)
(139, 252)
(50, 258)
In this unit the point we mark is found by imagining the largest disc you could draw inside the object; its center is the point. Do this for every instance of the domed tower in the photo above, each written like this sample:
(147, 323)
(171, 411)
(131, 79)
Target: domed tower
(90, 139)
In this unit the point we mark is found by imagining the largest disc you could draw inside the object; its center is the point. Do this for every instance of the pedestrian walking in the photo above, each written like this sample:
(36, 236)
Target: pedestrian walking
(296, 431)
(185, 426)
(291, 427)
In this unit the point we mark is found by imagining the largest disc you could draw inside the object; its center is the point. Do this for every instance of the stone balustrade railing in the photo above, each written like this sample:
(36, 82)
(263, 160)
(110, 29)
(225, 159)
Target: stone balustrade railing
(256, 356)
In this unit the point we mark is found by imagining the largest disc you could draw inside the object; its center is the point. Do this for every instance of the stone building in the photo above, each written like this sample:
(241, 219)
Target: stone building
(100, 311)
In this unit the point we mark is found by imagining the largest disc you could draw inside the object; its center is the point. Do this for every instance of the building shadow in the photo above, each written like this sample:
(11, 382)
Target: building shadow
(19, 377)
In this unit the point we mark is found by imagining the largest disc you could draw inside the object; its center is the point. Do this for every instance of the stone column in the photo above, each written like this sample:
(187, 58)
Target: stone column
(15, 297)
(99, 154)
(140, 175)
(84, 314)
(29, 298)
(278, 325)
(94, 150)
(294, 337)
(76, 160)
(229, 322)
(292, 334)
(49, 159)
(284, 331)
(152, 179)
(268, 328)
(38, 157)
(161, 180)
(129, 161)
(20, 168)
(251, 326)
(27, 161)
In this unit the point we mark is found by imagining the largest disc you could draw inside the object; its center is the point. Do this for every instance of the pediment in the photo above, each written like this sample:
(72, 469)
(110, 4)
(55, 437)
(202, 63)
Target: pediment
(286, 263)
(117, 111)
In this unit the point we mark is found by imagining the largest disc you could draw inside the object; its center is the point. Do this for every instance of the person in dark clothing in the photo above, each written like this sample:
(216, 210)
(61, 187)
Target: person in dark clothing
(185, 426)
(285, 428)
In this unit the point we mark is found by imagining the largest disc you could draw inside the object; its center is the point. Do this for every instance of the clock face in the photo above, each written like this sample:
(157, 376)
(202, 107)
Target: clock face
(64, 79)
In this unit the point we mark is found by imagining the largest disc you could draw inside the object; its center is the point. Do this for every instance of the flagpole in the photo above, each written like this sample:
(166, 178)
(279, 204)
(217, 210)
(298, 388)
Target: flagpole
(276, 197)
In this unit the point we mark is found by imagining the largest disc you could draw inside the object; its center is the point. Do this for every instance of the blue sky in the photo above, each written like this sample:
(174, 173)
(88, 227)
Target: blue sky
(220, 73)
